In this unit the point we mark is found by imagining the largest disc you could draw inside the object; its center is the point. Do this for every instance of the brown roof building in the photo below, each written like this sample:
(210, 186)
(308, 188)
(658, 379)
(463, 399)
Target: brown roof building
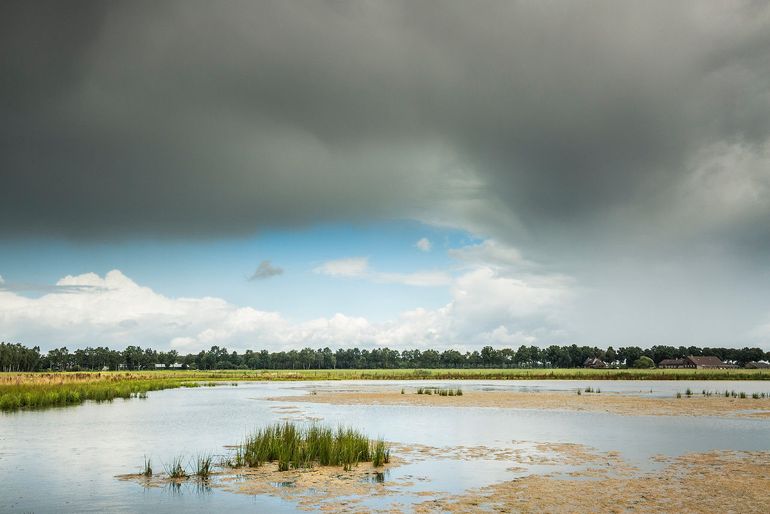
(675, 363)
(704, 362)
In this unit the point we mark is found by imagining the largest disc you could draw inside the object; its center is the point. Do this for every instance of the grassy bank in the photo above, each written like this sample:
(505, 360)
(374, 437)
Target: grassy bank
(40, 390)
(20, 391)
(32, 392)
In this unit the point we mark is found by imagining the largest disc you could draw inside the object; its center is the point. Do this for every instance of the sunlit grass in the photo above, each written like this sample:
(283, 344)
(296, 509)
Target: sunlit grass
(293, 446)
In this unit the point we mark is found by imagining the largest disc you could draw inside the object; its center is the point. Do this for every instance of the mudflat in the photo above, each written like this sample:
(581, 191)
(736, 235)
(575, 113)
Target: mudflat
(634, 405)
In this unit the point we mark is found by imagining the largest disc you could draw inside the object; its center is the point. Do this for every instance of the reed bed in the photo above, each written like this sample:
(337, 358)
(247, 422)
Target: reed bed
(293, 446)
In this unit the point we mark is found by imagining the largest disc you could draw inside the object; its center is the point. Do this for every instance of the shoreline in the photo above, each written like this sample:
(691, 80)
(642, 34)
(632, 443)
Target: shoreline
(629, 405)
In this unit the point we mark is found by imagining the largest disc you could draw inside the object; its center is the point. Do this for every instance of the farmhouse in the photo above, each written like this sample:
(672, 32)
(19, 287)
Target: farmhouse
(692, 362)
(675, 363)
(757, 365)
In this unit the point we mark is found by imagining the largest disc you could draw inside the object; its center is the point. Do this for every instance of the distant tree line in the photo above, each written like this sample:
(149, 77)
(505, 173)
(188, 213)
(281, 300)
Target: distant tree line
(16, 357)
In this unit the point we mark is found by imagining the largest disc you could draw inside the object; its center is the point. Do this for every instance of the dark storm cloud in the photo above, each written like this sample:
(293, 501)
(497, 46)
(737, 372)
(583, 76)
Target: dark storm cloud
(202, 119)
(265, 270)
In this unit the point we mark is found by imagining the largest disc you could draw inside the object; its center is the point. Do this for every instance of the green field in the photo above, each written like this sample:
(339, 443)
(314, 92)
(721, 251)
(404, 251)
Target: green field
(20, 391)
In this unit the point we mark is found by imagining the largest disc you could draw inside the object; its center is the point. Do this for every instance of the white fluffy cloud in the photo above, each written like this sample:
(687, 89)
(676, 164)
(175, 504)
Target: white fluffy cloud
(486, 308)
(355, 267)
(358, 267)
(424, 245)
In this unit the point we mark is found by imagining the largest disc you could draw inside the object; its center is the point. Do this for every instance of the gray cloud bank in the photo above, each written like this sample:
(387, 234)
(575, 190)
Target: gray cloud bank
(190, 118)
(624, 142)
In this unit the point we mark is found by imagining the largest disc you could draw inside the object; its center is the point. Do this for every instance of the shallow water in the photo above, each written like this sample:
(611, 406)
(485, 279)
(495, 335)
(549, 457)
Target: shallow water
(67, 459)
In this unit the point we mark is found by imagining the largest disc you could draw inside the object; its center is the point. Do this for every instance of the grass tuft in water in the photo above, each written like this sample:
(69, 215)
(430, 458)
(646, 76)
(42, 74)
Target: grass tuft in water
(147, 469)
(380, 453)
(203, 466)
(176, 469)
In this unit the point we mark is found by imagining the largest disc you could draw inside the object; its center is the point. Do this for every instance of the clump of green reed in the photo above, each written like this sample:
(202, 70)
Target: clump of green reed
(402, 391)
(294, 447)
(203, 466)
(147, 469)
(175, 469)
(742, 394)
(380, 453)
(688, 392)
(579, 392)
(755, 396)
(678, 394)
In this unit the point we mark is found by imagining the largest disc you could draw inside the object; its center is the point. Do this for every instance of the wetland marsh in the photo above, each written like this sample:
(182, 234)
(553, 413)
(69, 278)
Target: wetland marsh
(511, 445)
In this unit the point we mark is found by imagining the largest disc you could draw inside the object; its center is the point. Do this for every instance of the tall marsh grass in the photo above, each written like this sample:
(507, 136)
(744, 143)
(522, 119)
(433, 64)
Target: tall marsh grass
(293, 446)
(75, 388)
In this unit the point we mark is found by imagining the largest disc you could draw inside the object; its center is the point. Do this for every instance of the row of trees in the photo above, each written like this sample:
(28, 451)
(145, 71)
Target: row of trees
(15, 357)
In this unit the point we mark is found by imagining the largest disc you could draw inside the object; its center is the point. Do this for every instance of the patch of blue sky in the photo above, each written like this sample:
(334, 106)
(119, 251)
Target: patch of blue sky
(221, 268)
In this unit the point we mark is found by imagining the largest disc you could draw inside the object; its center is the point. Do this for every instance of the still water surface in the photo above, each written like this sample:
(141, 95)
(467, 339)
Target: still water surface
(66, 459)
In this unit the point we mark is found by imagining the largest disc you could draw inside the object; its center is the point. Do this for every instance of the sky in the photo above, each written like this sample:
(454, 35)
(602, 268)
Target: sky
(182, 174)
